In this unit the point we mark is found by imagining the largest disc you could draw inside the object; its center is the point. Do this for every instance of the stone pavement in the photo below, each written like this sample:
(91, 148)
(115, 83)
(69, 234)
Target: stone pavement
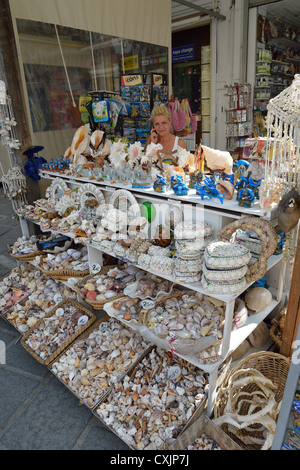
(37, 412)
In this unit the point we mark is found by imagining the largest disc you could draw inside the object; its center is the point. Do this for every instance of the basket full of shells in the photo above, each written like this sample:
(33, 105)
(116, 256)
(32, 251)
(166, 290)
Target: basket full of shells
(102, 355)
(56, 330)
(152, 405)
(107, 285)
(203, 434)
(38, 303)
(17, 285)
(24, 249)
(187, 322)
(62, 266)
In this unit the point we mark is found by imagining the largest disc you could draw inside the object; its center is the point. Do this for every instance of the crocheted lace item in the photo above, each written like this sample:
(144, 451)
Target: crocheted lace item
(282, 168)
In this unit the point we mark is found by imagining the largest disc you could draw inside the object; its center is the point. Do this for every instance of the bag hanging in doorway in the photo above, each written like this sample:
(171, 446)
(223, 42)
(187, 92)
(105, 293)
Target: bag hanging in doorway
(190, 120)
(100, 109)
(178, 115)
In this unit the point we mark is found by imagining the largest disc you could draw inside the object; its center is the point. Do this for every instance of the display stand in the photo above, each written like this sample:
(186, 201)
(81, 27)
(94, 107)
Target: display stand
(292, 386)
(219, 216)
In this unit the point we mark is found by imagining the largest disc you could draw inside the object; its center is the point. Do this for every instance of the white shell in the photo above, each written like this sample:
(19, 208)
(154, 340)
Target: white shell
(258, 298)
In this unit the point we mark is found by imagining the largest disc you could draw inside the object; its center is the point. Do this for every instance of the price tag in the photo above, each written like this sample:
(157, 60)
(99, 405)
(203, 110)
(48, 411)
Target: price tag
(58, 298)
(95, 268)
(148, 304)
(82, 320)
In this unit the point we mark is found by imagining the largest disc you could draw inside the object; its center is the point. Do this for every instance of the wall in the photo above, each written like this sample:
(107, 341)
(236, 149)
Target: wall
(228, 62)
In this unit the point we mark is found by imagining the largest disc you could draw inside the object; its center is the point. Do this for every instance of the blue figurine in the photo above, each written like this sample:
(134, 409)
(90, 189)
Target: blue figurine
(245, 197)
(209, 190)
(160, 184)
(175, 180)
(181, 189)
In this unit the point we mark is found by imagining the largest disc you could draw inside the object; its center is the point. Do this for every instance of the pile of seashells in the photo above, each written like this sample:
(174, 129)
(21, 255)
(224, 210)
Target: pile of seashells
(92, 364)
(71, 259)
(46, 295)
(14, 287)
(54, 330)
(102, 287)
(24, 245)
(204, 442)
(150, 408)
(188, 316)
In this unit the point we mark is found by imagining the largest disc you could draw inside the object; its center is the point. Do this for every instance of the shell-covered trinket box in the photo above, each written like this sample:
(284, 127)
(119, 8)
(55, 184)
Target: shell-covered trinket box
(223, 254)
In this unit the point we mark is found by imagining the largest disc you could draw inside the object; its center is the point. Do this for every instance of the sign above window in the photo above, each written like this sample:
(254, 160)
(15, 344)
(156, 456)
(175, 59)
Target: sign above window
(181, 53)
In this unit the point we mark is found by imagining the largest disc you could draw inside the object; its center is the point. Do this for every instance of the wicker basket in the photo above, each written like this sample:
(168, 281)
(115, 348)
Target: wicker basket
(27, 257)
(93, 303)
(277, 327)
(63, 274)
(273, 366)
(203, 425)
(59, 350)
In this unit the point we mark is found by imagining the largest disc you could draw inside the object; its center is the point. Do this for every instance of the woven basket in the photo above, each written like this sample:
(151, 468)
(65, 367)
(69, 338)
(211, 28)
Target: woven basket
(277, 327)
(93, 303)
(63, 274)
(273, 366)
(59, 350)
(27, 257)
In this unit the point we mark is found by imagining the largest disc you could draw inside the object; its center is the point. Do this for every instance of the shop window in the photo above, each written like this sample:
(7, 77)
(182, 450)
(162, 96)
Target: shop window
(60, 64)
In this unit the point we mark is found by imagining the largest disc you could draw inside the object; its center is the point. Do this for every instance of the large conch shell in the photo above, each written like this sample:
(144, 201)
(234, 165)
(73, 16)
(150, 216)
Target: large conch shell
(218, 159)
(258, 298)
(79, 136)
(96, 140)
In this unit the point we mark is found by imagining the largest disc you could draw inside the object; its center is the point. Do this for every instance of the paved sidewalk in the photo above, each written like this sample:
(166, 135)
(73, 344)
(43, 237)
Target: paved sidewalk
(37, 412)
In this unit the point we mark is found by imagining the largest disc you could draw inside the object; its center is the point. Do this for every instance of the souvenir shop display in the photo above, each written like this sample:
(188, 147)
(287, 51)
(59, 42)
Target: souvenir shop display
(175, 300)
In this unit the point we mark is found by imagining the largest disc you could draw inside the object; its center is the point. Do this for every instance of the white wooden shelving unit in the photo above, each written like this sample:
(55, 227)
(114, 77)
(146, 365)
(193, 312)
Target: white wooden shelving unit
(219, 215)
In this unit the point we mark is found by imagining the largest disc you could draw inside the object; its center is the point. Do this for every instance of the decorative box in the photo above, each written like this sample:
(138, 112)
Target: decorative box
(222, 254)
(224, 274)
(223, 288)
(192, 230)
(162, 265)
(188, 266)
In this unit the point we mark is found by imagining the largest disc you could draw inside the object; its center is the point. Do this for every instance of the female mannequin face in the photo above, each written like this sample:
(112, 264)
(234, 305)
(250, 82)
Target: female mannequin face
(162, 125)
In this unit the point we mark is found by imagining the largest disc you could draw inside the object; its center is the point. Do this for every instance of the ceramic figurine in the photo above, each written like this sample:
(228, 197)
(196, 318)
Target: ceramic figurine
(160, 184)
(245, 197)
(195, 178)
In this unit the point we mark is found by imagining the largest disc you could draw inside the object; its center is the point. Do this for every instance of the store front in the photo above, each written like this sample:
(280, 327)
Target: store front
(153, 291)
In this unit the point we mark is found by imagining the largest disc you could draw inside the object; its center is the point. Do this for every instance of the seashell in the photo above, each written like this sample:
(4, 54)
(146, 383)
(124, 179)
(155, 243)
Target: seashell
(109, 293)
(258, 298)
(85, 381)
(89, 286)
(80, 134)
(184, 334)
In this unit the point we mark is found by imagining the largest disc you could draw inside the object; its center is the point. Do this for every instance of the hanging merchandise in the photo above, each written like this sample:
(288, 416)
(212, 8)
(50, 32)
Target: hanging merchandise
(85, 115)
(115, 109)
(101, 110)
(190, 120)
(15, 187)
(178, 115)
